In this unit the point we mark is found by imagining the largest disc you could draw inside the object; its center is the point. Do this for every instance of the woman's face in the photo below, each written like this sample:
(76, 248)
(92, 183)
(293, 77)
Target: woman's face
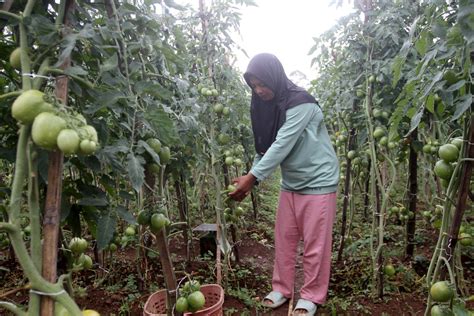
(262, 91)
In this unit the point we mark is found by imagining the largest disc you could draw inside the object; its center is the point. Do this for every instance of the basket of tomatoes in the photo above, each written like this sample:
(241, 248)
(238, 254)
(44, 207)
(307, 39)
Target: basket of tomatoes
(194, 299)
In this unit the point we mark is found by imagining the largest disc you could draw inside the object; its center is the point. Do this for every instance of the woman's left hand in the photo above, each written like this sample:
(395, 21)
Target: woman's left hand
(244, 185)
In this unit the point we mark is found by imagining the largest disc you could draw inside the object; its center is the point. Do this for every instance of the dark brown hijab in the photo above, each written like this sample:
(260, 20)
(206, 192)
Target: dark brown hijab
(268, 116)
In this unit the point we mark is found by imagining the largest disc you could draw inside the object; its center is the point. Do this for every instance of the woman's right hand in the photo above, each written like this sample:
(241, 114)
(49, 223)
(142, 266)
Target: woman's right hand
(244, 185)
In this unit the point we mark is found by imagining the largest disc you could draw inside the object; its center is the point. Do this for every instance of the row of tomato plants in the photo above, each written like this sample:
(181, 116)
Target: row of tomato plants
(407, 99)
(135, 90)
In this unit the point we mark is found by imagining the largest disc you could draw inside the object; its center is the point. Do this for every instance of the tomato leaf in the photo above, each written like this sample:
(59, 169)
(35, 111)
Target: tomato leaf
(174, 5)
(456, 86)
(465, 20)
(462, 104)
(415, 121)
(75, 70)
(460, 310)
(149, 150)
(126, 215)
(163, 126)
(429, 105)
(135, 169)
(110, 64)
(93, 201)
(107, 223)
(73, 219)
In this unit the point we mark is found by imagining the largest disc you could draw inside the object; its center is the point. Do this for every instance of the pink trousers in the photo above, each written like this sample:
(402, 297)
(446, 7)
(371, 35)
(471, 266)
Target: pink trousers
(310, 218)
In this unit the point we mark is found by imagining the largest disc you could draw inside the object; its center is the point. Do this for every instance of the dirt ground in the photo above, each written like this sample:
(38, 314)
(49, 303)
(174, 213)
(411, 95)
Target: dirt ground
(115, 289)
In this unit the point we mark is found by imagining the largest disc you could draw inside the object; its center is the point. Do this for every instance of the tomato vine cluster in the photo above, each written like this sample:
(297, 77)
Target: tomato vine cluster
(191, 298)
(448, 154)
(78, 247)
(154, 219)
(53, 127)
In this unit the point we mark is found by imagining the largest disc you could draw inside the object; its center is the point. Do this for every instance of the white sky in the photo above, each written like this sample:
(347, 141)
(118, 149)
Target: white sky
(286, 29)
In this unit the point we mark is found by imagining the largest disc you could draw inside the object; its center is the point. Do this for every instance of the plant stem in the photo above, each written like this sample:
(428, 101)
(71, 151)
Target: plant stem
(12, 94)
(13, 308)
(35, 224)
(33, 275)
(19, 176)
(85, 82)
(10, 15)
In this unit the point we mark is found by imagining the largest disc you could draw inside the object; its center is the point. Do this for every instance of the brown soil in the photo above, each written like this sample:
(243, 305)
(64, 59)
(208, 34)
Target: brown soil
(349, 289)
(349, 294)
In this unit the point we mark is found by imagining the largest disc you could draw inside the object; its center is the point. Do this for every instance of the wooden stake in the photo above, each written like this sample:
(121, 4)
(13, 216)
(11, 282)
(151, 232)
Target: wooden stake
(51, 220)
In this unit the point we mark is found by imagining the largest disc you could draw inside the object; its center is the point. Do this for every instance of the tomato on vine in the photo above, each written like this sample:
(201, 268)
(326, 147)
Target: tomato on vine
(15, 58)
(68, 141)
(441, 291)
(28, 105)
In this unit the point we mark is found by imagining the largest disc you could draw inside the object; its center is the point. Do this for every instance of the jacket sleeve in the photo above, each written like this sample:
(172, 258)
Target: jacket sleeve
(256, 159)
(297, 118)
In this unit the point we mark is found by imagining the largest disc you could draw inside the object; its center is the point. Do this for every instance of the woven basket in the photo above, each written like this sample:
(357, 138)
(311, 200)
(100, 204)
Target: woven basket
(156, 304)
(214, 294)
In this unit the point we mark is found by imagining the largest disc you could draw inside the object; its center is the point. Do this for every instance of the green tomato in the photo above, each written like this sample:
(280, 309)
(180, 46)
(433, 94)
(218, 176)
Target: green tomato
(377, 112)
(113, 247)
(157, 222)
(379, 132)
(383, 141)
(448, 152)
(465, 239)
(392, 145)
(441, 291)
(87, 147)
(427, 149)
(389, 270)
(218, 108)
(68, 141)
(351, 154)
(46, 128)
(443, 170)
(28, 105)
(165, 155)
(15, 58)
(89, 132)
(223, 139)
(441, 310)
(78, 245)
(239, 211)
(144, 217)
(191, 286)
(181, 305)
(130, 231)
(154, 168)
(229, 160)
(155, 144)
(457, 142)
(196, 301)
(85, 261)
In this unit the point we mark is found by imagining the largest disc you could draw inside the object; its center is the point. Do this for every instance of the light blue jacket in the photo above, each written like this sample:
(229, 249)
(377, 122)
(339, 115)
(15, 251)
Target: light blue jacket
(304, 152)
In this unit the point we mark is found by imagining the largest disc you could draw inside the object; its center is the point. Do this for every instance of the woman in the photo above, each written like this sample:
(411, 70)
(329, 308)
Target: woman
(289, 132)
